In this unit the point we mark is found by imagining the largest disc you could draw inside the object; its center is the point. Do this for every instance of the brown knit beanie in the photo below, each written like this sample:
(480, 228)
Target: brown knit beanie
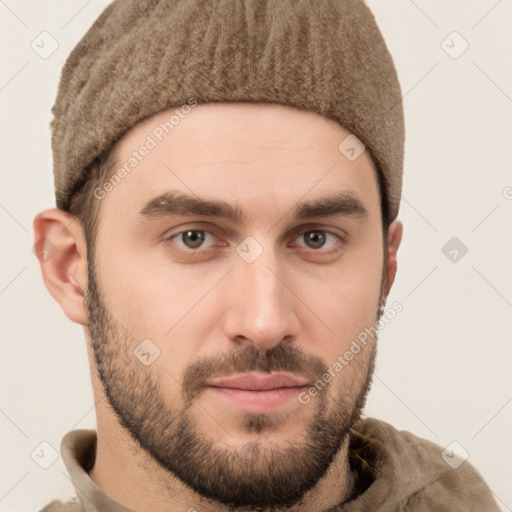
(144, 56)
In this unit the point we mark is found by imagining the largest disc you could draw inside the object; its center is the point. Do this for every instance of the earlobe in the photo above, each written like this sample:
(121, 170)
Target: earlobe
(60, 247)
(394, 239)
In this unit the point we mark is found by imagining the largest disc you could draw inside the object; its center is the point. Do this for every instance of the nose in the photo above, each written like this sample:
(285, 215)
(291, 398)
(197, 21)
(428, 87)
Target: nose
(262, 310)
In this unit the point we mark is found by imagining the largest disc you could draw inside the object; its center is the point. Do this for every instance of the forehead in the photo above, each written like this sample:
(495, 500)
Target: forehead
(257, 156)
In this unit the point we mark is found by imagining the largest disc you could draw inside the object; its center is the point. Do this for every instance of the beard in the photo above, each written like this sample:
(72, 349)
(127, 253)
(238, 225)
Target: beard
(257, 476)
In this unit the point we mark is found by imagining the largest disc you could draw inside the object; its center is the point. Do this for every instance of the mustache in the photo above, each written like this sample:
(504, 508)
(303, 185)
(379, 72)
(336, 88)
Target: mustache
(246, 359)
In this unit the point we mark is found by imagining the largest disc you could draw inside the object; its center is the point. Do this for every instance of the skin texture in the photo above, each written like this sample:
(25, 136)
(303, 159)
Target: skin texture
(166, 441)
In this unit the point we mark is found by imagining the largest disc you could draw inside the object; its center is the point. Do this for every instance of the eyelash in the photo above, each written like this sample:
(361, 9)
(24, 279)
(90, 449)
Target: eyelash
(200, 252)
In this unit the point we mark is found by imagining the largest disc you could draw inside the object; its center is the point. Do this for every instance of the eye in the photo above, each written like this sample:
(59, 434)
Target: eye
(199, 240)
(192, 238)
(317, 239)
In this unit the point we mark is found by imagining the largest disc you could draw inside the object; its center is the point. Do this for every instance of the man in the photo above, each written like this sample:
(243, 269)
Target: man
(228, 179)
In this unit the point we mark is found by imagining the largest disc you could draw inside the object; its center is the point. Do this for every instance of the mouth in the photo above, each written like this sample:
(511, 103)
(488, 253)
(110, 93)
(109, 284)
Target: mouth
(256, 393)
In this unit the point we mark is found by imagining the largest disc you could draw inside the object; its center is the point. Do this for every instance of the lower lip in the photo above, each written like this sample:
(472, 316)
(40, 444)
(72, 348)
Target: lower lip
(260, 401)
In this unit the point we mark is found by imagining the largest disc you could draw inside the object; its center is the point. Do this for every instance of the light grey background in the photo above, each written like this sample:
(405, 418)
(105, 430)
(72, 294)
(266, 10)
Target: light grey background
(443, 369)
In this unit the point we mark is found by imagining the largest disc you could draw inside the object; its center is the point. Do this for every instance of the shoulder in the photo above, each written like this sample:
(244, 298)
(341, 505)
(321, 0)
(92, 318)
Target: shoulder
(77, 449)
(73, 505)
(417, 473)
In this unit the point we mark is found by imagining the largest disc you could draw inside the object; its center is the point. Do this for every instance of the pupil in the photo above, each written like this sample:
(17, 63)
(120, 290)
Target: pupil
(315, 238)
(195, 238)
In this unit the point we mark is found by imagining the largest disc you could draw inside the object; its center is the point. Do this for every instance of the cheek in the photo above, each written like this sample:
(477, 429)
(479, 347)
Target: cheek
(172, 305)
(346, 300)
(137, 280)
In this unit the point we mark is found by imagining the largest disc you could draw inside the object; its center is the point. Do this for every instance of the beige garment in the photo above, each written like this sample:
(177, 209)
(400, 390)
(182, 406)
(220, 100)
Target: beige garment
(397, 472)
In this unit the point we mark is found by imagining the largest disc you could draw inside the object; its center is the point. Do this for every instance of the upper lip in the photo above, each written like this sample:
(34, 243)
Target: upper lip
(253, 381)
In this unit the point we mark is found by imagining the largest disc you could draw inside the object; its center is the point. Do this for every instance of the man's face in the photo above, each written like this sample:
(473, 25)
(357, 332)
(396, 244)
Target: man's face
(181, 297)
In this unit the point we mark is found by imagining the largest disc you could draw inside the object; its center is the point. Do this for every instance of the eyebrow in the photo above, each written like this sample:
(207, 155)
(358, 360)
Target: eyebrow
(179, 203)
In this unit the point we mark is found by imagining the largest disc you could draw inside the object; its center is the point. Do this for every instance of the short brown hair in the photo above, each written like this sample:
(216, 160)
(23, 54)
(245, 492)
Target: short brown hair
(84, 204)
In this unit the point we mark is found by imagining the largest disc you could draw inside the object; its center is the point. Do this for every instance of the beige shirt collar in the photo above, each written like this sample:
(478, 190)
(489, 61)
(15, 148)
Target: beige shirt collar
(78, 450)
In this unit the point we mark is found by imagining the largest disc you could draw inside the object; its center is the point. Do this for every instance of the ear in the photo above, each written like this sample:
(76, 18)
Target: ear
(394, 238)
(60, 247)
